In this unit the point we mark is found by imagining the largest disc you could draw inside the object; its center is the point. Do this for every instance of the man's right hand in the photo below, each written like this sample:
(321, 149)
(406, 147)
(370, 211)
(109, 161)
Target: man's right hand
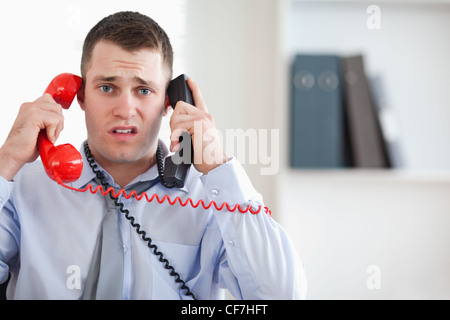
(20, 146)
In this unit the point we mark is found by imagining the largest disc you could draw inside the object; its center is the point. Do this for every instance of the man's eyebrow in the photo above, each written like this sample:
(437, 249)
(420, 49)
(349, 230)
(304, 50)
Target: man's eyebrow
(141, 81)
(148, 83)
(114, 79)
(105, 78)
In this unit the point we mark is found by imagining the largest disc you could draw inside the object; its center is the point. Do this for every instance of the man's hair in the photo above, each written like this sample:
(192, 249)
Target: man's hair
(131, 31)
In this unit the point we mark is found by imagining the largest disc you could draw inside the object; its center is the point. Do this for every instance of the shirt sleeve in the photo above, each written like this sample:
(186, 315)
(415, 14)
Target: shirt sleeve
(9, 229)
(5, 191)
(259, 261)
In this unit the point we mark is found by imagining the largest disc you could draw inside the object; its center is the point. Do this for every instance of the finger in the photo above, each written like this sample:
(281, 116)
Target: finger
(53, 124)
(44, 103)
(53, 131)
(182, 108)
(50, 107)
(183, 122)
(46, 97)
(47, 103)
(51, 135)
(175, 139)
(52, 120)
(184, 114)
(197, 95)
(58, 130)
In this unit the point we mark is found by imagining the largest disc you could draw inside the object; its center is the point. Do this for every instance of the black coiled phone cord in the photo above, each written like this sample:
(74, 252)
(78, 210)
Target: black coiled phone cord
(132, 220)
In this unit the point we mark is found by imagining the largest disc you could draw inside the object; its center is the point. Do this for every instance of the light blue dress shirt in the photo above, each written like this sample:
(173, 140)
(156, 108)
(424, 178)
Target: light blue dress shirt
(48, 234)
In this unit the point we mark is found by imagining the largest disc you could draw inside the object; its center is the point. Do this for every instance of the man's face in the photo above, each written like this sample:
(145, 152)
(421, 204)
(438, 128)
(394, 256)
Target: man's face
(124, 101)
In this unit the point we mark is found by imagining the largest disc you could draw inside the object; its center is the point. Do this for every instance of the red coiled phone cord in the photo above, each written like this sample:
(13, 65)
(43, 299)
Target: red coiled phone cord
(166, 198)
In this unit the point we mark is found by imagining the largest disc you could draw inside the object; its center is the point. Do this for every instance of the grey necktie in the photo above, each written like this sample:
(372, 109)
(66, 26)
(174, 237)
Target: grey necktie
(105, 277)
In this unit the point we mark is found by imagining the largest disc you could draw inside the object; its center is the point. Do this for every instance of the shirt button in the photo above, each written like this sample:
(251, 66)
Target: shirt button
(214, 193)
(231, 243)
(124, 247)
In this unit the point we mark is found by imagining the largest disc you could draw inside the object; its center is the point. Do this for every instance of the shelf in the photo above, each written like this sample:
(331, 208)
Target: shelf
(368, 175)
(379, 1)
(328, 27)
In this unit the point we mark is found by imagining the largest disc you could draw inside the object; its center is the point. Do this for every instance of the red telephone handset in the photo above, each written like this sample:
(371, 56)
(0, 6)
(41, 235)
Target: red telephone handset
(62, 163)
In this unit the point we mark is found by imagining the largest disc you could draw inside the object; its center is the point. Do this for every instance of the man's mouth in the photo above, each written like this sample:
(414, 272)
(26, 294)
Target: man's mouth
(124, 130)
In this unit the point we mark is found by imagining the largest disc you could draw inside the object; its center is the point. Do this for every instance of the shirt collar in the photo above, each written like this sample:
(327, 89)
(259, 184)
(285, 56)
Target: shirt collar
(88, 175)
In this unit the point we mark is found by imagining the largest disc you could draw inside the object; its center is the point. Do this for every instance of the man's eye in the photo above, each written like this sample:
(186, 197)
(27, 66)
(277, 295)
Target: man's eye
(145, 92)
(106, 89)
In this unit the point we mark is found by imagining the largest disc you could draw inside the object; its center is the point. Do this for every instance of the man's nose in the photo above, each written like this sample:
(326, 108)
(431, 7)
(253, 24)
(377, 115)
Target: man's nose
(125, 106)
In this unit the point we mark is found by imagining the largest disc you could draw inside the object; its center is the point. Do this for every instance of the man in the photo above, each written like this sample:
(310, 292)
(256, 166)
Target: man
(52, 240)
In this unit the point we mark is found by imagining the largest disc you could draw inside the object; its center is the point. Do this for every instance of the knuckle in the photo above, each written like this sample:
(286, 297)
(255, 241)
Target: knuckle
(58, 119)
(59, 109)
(29, 111)
(179, 105)
(47, 97)
(209, 117)
(25, 106)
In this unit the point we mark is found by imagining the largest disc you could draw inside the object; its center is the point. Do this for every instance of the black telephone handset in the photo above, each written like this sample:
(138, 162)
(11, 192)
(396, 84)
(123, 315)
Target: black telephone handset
(176, 167)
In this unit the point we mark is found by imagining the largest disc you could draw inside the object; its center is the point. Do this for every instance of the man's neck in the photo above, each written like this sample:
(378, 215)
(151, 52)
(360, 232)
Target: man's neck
(125, 172)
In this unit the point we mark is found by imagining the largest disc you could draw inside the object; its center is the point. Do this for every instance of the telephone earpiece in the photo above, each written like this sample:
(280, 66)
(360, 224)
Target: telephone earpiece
(176, 167)
(62, 163)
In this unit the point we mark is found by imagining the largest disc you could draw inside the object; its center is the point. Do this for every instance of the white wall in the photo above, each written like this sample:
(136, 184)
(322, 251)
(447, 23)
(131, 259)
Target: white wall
(346, 224)
(231, 51)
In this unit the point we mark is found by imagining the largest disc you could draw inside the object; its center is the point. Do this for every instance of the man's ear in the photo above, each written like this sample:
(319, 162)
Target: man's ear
(81, 96)
(167, 106)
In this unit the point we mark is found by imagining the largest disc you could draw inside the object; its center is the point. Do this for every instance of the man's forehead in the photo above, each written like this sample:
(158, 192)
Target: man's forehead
(111, 60)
